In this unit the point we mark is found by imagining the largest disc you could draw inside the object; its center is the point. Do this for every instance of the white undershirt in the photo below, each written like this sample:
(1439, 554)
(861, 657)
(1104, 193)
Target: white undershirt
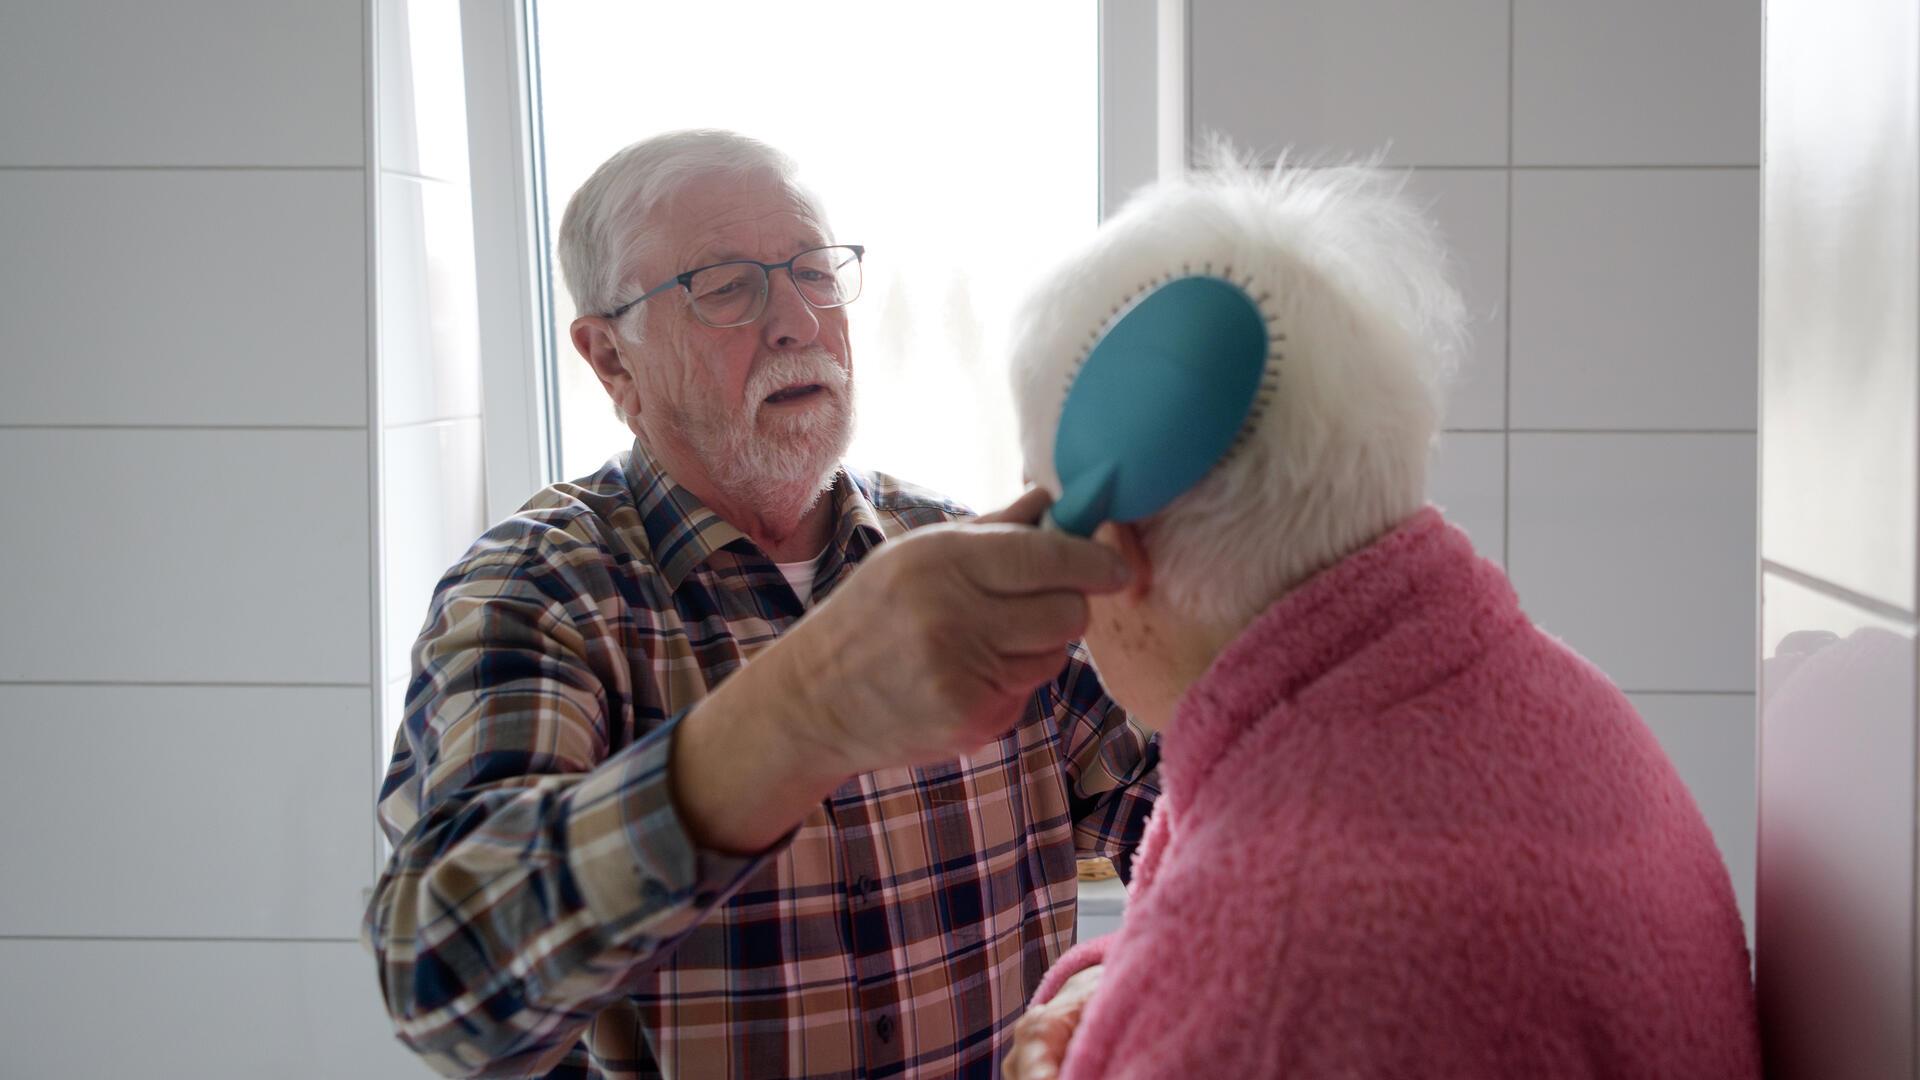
(800, 576)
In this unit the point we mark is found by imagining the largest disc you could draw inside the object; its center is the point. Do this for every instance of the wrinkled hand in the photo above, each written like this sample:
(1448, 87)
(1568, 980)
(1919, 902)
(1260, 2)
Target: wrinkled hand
(1040, 1037)
(934, 643)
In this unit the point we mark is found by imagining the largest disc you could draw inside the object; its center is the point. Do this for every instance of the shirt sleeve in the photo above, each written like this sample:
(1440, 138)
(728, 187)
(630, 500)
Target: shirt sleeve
(535, 867)
(1113, 766)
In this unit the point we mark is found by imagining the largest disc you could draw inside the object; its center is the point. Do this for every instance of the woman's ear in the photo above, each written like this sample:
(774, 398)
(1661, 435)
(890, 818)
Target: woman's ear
(1125, 537)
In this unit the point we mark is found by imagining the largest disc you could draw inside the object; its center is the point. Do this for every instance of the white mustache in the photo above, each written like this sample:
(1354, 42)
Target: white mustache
(814, 365)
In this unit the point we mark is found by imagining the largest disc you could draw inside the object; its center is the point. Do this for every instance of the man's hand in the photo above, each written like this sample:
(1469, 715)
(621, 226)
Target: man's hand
(1040, 1037)
(927, 651)
(930, 649)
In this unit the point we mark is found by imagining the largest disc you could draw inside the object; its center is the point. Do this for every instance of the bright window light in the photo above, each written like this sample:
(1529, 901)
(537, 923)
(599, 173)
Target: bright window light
(963, 152)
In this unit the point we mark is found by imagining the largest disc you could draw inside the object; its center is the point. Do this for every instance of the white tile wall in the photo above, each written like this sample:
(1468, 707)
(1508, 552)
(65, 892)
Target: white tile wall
(1634, 82)
(1835, 948)
(166, 1009)
(1352, 76)
(429, 322)
(1635, 299)
(184, 443)
(434, 494)
(1711, 741)
(1842, 282)
(1467, 481)
(183, 297)
(186, 556)
(211, 811)
(190, 82)
(1638, 551)
(1471, 207)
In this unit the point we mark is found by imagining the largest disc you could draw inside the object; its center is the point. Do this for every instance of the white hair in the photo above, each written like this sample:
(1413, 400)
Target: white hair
(610, 223)
(1355, 277)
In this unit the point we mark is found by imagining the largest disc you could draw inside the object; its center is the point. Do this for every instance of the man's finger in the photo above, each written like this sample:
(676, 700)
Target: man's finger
(1025, 510)
(1042, 1056)
(1035, 622)
(1014, 561)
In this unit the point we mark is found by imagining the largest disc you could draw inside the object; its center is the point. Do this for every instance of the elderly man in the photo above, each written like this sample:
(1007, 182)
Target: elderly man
(649, 820)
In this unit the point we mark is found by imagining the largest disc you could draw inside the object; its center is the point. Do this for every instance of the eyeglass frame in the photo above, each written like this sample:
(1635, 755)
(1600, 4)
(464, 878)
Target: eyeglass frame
(685, 281)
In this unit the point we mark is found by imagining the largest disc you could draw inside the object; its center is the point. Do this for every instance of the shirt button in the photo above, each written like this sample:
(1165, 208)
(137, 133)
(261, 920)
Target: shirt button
(885, 1028)
(862, 887)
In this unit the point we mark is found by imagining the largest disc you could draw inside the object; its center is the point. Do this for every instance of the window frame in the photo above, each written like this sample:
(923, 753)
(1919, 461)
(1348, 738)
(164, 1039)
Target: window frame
(1143, 136)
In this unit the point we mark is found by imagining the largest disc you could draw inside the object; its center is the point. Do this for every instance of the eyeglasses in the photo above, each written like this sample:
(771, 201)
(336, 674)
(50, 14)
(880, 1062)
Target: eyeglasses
(734, 293)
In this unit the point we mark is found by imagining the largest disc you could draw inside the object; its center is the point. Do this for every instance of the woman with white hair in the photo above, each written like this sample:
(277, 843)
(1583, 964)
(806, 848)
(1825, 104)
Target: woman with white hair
(1403, 832)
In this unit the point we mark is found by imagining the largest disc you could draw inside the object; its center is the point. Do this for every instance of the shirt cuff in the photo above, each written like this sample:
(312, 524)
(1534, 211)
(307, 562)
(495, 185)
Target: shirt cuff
(640, 873)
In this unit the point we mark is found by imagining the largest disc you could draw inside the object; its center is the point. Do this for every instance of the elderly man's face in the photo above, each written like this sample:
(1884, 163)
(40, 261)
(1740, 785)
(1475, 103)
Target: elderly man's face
(766, 408)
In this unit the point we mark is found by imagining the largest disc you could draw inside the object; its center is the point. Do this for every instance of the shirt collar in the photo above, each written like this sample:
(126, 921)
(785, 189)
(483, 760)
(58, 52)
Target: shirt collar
(684, 532)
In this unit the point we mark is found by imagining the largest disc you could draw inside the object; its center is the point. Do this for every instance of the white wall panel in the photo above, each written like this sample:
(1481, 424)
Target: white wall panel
(1352, 76)
(1638, 551)
(164, 1009)
(1842, 281)
(1636, 299)
(189, 82)
(1711, 739)
(171, 297)
(429, 318)
(186, 556)
(204, 811)
(1467, 481)
(1636, 82)
(1835, 950)
(1471, 207)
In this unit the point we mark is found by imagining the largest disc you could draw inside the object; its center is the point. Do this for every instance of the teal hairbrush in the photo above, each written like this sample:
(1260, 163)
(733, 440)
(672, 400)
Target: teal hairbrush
(1169, 386)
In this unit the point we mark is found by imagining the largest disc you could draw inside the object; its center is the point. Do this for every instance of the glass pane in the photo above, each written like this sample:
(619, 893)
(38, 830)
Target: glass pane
(959, 144)
(726, 295)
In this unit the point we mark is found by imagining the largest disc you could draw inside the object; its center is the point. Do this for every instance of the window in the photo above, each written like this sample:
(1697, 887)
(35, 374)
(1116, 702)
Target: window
(963, 154)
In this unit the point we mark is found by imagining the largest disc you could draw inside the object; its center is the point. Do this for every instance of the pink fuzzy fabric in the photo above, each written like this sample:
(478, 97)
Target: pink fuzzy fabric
(1405, 833)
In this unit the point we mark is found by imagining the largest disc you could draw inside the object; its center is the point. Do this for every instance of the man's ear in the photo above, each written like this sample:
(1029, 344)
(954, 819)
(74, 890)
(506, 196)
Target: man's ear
(593, 336)
(1126, 537)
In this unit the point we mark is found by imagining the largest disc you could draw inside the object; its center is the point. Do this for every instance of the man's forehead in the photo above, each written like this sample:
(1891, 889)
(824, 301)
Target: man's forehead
(738, 217)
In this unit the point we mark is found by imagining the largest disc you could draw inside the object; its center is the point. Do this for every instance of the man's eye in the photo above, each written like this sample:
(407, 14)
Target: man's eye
(724, 290)
(818, 276)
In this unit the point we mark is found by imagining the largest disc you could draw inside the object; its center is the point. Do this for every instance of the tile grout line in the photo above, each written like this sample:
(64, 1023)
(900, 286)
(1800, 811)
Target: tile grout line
(182, 427)
(152, 684)
(182, 168)
(1506, 316)
(181, 939)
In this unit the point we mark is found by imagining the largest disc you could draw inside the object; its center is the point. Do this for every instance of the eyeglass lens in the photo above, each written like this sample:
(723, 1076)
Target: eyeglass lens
(731, 294)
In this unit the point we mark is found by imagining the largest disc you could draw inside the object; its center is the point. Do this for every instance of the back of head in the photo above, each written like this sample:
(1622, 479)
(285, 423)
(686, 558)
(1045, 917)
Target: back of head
(1356, 285)
(604, 232)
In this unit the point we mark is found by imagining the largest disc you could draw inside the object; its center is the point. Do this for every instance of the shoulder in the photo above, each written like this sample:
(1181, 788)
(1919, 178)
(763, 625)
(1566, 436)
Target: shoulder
(573, 532)
(902, 505)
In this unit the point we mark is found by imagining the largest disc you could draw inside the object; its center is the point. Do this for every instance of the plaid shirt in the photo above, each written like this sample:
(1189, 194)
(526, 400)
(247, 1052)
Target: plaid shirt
(542, 886)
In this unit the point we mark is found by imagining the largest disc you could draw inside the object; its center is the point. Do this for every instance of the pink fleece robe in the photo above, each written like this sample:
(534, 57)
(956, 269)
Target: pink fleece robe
(1406, 833)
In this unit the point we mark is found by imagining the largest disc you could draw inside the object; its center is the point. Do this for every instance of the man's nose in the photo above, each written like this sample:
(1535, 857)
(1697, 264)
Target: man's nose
(790, 320)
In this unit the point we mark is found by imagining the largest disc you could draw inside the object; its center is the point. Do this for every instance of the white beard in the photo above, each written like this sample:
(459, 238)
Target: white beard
(775, 462)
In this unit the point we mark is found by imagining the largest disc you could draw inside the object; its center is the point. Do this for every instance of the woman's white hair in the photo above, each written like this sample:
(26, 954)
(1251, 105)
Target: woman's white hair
(609, 223)
(1355, 276)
